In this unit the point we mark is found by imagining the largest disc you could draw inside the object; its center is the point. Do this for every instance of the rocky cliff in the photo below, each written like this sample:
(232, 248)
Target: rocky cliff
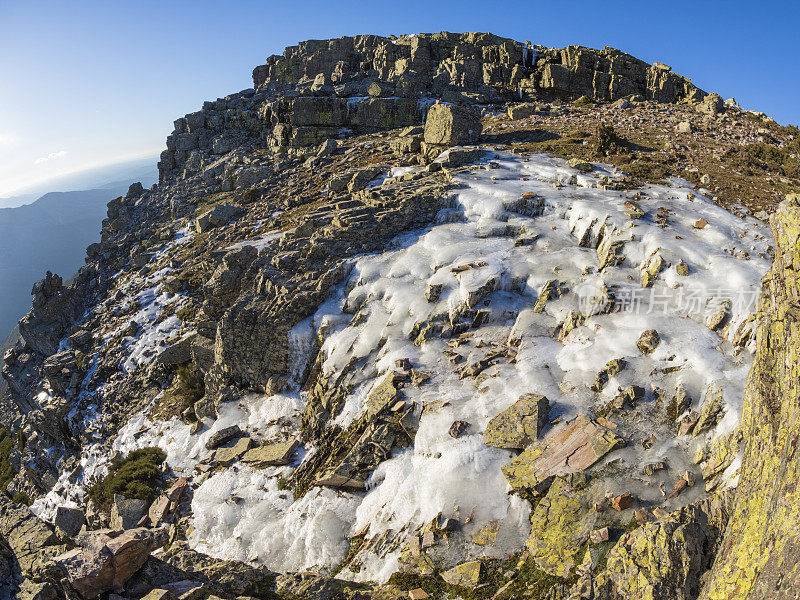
(758, 557)
(430, 316)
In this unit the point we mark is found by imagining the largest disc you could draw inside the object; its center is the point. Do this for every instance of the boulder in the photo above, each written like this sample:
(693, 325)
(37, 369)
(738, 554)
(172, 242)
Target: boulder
(560, 525)
(228, 455)
(177, 353)
(362, 177)
(126, 512)
(222, 437)
(456, 157)
(105, 563)
(576, 446)
(648, 341)
(451, 125)
(521, 111)
(271, 455)
(166, 502)
(464, 575)
(711, 105)
(69, 520)
(520, 424)
(220, 215)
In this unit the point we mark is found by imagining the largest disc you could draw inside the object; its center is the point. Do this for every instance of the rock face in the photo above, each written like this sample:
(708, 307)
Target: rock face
(760, 551)
(668, 558)
(32, 541)
(520, 424)
(369, 83)
(570, 449)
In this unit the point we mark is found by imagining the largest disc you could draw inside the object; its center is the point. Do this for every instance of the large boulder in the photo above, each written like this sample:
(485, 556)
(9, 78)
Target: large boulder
(69, 520)
(452, 125)
(126, 512)
(270, 455)
(105, 563)
(220, 215)
(576, 446)
(668, 558)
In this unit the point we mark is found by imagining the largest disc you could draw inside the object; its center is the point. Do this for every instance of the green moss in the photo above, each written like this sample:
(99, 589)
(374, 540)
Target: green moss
(529, 582)
(7, 471)
(22, 498)
(762, 157)
(136, 476)
(188, 386)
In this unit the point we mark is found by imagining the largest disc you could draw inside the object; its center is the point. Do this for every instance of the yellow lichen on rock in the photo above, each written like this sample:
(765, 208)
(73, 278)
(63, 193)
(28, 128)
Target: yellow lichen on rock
(761, 550)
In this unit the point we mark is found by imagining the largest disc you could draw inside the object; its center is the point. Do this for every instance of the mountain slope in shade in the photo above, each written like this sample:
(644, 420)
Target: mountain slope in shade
(50, 234)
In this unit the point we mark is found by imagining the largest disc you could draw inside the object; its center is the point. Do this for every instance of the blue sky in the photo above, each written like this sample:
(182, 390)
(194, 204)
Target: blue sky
(87, 82)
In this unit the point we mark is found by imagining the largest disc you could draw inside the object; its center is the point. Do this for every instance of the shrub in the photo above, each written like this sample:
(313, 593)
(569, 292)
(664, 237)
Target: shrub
(22, 498)
(607, 141)
(6, 470)
(136, 476)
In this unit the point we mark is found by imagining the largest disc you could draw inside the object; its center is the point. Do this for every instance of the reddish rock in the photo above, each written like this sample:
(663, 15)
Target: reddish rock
(622, 502)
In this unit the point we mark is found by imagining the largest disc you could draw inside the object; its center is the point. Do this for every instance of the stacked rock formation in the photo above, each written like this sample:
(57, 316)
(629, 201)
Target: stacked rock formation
(320, 89)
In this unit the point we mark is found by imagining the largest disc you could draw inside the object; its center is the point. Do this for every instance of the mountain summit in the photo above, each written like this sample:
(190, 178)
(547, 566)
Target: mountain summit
(430, 316)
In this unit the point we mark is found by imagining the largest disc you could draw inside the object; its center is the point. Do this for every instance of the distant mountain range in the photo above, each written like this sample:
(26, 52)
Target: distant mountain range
(109, 177)
(52, 232)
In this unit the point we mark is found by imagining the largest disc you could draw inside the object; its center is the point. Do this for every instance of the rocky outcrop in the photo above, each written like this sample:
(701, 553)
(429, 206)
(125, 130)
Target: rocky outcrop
(760, 552)
(666, 559)
(105, 561)
(320, 89)
(251, 346)
(267, 199)
(610, 74)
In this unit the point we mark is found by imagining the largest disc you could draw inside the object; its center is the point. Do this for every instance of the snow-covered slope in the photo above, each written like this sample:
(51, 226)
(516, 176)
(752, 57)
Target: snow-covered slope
(530, 241)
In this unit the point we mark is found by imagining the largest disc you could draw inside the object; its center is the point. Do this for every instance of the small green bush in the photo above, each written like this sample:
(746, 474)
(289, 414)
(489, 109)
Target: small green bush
(136, 476)
(7, 472)
(607, 141)
(22, 498)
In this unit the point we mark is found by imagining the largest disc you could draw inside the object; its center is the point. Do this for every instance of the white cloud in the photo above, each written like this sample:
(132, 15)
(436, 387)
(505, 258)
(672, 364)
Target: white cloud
(6, 139)
(49, 157)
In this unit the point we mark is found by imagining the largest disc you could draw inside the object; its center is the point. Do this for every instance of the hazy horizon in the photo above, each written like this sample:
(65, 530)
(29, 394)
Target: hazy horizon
(90, 177)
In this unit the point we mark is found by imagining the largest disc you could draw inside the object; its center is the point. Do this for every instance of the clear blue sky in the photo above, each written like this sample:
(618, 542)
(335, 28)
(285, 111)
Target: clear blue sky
(87, 82)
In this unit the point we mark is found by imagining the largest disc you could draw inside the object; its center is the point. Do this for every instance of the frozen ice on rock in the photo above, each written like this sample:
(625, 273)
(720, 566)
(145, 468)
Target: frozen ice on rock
(246, 514)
